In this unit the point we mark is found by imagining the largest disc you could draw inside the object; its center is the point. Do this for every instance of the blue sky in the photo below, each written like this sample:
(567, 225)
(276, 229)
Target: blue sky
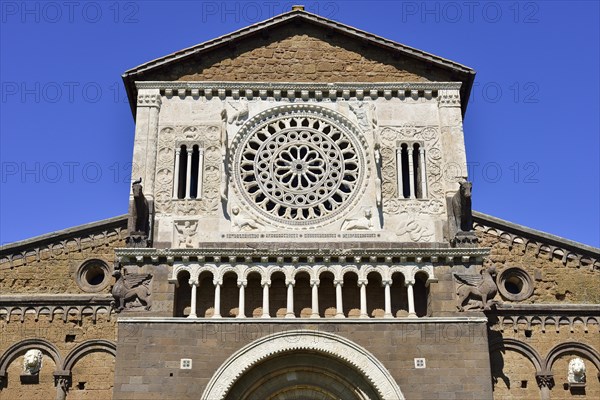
(532, 127)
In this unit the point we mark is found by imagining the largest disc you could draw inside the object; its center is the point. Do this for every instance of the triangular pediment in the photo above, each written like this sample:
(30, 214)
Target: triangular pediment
(300, 47)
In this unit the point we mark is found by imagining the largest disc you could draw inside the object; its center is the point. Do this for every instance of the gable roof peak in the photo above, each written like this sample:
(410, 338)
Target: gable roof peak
(299, 14)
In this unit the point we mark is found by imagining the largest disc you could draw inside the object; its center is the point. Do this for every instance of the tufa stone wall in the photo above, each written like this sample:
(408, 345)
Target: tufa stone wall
(52, 269)
(43, 306)
(149, 355)
(511, 368)
(300, 54)
(554, 281)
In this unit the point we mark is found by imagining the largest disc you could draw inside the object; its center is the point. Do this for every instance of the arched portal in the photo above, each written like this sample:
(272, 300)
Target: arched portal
(302, 364)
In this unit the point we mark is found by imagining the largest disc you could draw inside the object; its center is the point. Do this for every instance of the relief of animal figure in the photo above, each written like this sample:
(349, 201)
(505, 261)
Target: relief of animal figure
(129, 288)
(481, 288)
(576, 373)
(237, 113)
(363, 223)
(241, 223)
(32, 362)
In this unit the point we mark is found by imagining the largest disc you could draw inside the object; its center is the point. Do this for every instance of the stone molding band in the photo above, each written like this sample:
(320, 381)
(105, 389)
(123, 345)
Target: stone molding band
(446, 92)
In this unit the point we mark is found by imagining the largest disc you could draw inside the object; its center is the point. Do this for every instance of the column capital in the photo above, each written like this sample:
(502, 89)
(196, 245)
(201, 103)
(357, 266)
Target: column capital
(409, 282)
(242, 282)
(193, 282)
(386, 282)
(190, 150)
(315, 282)
(448, 98)
(149, 99)
(177, 151)
(217, 282)
(545, 380)
(267, 282)
(363, 282)
(290, 282)
(338, 282)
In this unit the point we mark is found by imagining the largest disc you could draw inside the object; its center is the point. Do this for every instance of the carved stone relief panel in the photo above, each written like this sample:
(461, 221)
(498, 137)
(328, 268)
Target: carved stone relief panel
(168, 137)
(429, 136)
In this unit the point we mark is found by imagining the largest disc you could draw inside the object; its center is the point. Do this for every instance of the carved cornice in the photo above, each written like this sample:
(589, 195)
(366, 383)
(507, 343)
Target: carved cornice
(52, 245)
(305, 91)
(301, 254)
(543, 244)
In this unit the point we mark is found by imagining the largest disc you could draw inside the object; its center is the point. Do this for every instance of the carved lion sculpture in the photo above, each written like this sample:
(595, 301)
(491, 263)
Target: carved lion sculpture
(576, 371)
(32, 362)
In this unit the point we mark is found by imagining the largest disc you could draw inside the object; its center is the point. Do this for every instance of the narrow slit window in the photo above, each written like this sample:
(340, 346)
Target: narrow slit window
(405, 172)
(417, 174)
(194, 177)
(183, 161)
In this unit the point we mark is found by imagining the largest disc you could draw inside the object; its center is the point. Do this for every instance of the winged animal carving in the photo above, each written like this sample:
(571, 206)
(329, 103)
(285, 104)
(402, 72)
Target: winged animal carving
(482, 288)
(129, 288)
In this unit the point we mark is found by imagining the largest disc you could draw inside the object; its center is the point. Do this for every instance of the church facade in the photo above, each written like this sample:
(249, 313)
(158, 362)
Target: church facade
(300, 226)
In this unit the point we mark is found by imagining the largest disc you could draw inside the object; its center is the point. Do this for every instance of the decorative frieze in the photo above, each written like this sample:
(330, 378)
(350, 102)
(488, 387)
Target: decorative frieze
(46, 250)
(279, 255)
(55, 306)
(541, 244)
(405, 91)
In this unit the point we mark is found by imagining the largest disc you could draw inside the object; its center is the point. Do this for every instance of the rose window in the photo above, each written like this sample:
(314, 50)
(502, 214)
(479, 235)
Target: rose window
(299, 168)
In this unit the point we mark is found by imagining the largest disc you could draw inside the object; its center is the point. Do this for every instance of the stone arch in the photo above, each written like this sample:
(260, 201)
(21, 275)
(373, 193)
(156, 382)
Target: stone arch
(400, 269)
(254, 270)
(324, 268)
(89, 346)
(350, 269)
(522, 348)
(303, 268)
(422, 269)
(525, 366)
(366, 270)
(21, 347)
(224, 269)
(273, 269)
(181, 268)
(324, 343)
(577, 348)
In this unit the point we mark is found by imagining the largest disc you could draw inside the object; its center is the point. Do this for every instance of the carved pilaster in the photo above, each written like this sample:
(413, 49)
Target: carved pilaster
(146, 136)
